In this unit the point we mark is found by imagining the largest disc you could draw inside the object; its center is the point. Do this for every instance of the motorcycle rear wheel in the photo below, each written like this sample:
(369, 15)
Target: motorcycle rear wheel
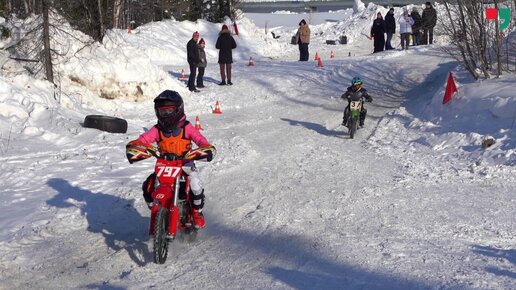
(160, 236)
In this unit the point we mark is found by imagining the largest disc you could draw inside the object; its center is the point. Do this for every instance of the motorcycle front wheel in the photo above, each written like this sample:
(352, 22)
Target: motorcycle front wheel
(160, 236)
(353, 127)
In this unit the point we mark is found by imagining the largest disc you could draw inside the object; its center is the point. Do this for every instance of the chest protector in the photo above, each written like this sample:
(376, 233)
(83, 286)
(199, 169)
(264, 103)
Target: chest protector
(178, 145)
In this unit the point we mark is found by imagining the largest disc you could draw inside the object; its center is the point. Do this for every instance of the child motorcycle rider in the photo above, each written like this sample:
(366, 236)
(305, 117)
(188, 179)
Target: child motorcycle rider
(355, 93)
(174, 135)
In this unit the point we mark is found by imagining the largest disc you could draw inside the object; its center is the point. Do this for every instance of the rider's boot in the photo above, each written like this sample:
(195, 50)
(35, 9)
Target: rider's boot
(198, 218)
(363, 114)
(345, 117)
(197, 205)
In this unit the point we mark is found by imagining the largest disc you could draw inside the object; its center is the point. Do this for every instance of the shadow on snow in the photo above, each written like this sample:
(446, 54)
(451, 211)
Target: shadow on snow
(500, 254)
(296, 261)
(113, 217)
(315, 127)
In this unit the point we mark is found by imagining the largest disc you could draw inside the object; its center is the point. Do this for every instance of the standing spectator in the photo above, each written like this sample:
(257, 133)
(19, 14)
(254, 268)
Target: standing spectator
(202, 63)
(416, 27)
(225, 44)
(192, 54)
(378, 33)
(406, 23)
(429, 20)
(390, 28)
(303, 39)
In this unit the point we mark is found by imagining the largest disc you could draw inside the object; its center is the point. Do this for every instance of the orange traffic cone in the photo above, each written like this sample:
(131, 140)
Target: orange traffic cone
(183, 75)
(251, 62)
(332, 55)
(198, 124)
(319, 63)
(217, 108)
(316, 56)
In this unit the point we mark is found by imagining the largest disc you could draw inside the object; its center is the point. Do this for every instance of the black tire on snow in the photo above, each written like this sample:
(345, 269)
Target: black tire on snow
(160, 236)
(106, 123)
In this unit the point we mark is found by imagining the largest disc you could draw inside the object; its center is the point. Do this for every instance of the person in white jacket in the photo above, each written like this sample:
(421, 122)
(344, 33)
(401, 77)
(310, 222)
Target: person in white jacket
(406, 23)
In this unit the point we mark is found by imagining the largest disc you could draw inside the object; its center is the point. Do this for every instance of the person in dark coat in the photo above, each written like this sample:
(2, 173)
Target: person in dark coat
(416, 28)
(303, 40)
(192, 53)
(429, 20)
(202, 63)
(390, 28)
(378, 33)
(225, 44)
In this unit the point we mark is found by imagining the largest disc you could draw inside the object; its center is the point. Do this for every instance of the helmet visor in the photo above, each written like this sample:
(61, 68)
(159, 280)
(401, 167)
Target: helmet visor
(167, 111)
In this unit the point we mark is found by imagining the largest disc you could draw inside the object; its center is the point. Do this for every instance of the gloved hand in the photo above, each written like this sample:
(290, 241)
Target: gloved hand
(210, 152)
(207, 152)
(137, 150)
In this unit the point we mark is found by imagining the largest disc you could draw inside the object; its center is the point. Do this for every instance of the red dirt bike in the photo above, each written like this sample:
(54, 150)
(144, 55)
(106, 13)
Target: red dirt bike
(172, 209)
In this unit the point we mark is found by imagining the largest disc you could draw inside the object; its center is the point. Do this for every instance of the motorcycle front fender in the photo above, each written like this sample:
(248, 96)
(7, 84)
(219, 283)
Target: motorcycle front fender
(355, 114)
(163, 195)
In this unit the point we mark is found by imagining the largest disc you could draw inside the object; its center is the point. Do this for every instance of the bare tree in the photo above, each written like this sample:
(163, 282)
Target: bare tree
(476, 42)
(47, 57)
(118, 6)
(27, 5)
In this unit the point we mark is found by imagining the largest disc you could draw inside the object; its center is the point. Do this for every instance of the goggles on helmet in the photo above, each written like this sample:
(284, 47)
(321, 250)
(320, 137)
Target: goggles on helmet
(167, 111)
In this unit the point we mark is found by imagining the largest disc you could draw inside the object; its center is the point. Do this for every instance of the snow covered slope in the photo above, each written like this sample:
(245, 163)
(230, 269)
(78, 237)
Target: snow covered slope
(412, 203)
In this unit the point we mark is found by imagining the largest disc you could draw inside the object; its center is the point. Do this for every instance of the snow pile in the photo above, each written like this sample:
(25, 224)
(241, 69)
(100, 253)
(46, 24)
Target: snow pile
(164, 42)
(479, 111)
(85, 70)
(25, 106)
(112, 71)
(109, 78)
(358, 6)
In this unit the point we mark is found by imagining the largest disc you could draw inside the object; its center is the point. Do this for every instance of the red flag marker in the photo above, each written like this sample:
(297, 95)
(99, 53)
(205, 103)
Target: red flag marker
(451, 88)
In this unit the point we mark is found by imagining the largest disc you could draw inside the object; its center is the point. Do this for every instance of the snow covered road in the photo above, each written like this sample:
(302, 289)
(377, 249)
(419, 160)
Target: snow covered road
(292, 203)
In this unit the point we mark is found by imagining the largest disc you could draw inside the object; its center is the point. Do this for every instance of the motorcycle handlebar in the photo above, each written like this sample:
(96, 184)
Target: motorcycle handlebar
(171, 156)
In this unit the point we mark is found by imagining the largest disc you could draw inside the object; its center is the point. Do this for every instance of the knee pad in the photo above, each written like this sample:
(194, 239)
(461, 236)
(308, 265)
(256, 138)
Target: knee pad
(198, 200)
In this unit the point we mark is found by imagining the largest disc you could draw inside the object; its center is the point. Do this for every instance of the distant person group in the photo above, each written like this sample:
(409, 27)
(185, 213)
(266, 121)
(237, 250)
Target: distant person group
(410, 27)
(196, 57)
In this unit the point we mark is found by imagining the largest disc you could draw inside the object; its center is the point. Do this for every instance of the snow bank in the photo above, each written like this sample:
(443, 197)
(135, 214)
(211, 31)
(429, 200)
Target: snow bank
(24, 105)
(164, 42)
(480, 110)
(358, 6)
(109, 78)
